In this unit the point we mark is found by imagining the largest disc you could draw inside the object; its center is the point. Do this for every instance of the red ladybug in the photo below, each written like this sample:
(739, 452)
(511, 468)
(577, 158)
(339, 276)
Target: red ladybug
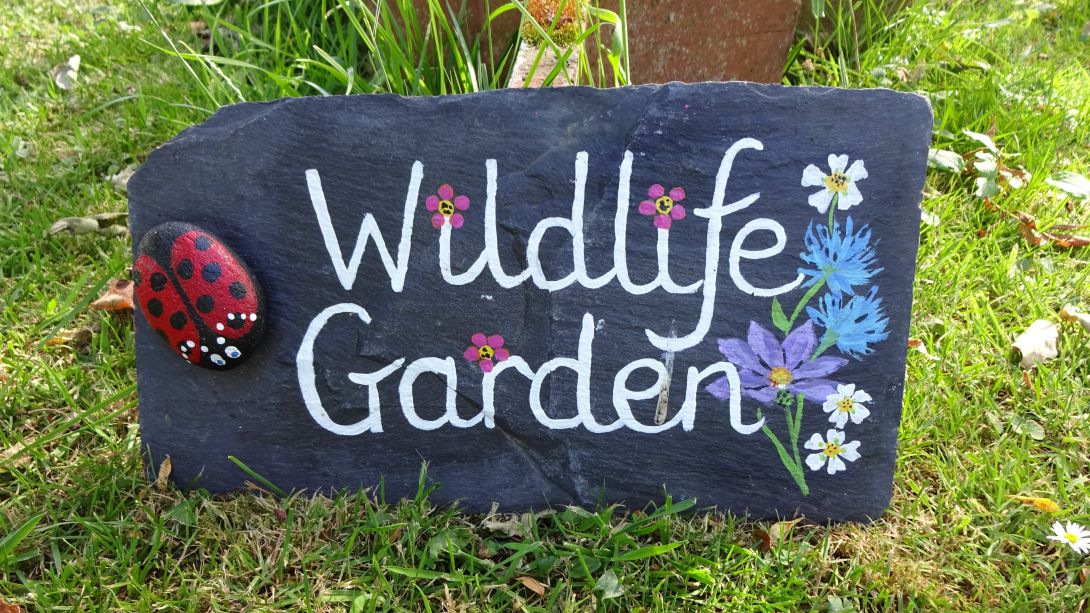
(198, 295)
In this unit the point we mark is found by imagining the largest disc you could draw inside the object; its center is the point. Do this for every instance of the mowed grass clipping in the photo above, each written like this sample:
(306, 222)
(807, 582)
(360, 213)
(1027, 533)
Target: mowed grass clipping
(81, 529)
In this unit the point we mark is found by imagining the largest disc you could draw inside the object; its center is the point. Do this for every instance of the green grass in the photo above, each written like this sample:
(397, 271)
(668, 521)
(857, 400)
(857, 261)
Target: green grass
(84, 531)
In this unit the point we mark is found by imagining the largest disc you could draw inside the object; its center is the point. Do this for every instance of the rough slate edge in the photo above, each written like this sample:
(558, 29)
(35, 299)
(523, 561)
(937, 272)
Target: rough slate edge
(236, 117)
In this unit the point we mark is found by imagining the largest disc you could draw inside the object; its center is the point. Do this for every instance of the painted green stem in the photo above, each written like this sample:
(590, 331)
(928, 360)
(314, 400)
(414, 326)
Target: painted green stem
(793, 466)
(832, 209)
(806, 299)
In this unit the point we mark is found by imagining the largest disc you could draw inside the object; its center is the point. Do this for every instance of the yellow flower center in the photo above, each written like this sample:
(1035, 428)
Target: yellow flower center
(832, 450)
(837, 182)
(780, 377)
(1071, 537)
(845, 405)
(664, 204)
(446, 208)
(486, 352)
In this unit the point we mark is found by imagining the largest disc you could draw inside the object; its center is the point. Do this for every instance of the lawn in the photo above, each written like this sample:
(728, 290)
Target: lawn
(85, 530)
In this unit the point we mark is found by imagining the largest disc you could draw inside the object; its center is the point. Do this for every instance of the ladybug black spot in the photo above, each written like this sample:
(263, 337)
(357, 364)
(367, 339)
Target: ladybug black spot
(185, 269)
(137, 278)
(178, 320)
(236, 323)
(158, 281)
(211, 272)
(205, 303)
(238, 290)
(202, 243)
(155, 307)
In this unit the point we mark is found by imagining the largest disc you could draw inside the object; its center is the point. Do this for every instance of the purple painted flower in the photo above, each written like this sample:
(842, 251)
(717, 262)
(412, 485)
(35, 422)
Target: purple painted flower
(765, 366)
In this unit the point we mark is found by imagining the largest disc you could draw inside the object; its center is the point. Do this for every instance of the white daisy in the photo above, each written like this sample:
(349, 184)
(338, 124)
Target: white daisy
(845, 404)
(839, 183)
(1077, 537)
(831, 450)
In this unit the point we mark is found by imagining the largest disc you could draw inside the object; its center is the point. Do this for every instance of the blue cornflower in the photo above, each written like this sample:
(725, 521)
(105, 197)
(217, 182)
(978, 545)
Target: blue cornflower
(853, 326)
(841, 260)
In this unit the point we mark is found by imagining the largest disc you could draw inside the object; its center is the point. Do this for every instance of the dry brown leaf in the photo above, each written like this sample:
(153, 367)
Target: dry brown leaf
(918, 345)
(780, 530)
(121, 179)
(764, 540)
(1028, 227)
(65, 75)
(449, 605)
(1038, 343)
(11, 452)
(117, 297)
(73, 338)
(777, 533)
(164, 474)
(103, 224)
(533, 585)
(8, 607)
(1072, 314)
(1045, 505)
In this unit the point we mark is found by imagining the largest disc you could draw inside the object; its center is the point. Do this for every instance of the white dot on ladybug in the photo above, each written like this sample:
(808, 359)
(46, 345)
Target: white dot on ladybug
(217, 360)
(253, 316)
(204, 348)
(232, 352)
(190, 344)
(219, 326)
(220, 340)
(183, 348)
(230, 316)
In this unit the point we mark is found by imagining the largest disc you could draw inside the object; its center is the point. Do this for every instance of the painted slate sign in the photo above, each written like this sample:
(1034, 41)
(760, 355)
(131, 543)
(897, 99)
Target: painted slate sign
(556, 296)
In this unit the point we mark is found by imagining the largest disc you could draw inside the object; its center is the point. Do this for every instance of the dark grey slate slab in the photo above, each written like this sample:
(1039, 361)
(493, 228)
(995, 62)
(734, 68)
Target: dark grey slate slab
(299, 409)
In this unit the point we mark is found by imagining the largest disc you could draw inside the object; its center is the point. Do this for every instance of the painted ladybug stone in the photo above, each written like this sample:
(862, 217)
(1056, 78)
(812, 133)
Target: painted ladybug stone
(198, 295)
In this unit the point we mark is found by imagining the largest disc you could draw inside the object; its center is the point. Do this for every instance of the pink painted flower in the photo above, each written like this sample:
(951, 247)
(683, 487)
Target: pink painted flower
(663, 206)
(486, 351)
(446, 207)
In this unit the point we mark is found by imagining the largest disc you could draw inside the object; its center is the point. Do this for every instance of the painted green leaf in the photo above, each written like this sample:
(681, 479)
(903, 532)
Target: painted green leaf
(779, 318)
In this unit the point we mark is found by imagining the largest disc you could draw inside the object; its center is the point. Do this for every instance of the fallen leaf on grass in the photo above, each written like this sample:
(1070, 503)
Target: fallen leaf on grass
(103, 224)
(65, 75)
(73, 338)
(533, 585)
(1072, 314)
(1028, 227)
(7, 607)
(918, 345)
(121, 179)
(1045, 505)
(780, 530)
(1072, 183)
(777, 533)
(1029, 427)
(163, 477)
(983, 139)
(1038, 343)
(609, 585)
(945, 160)
(11, 452)
(117, 297)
